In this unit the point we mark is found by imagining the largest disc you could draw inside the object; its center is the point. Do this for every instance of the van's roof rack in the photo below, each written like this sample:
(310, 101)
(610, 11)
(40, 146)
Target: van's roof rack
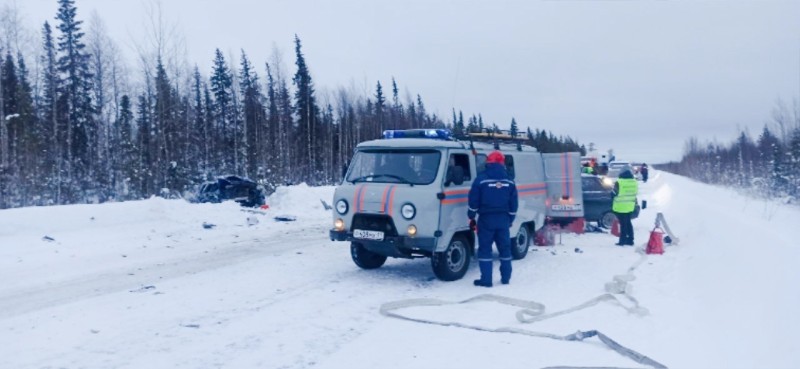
(496, 138)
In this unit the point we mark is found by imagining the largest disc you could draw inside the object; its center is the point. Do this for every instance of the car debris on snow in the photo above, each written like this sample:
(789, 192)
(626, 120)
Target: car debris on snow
(144, 288)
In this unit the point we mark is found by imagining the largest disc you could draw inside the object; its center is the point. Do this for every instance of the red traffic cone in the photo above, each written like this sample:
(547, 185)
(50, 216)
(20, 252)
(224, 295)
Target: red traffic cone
(615, 228)
(656, 245)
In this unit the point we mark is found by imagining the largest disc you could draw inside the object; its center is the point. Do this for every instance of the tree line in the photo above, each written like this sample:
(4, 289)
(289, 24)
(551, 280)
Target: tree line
(767, 165)
(77, 130)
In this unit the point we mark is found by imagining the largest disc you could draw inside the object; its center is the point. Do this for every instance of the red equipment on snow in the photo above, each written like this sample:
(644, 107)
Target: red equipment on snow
(656, 244)
(546, 236)
(578, 226)
(615, 227)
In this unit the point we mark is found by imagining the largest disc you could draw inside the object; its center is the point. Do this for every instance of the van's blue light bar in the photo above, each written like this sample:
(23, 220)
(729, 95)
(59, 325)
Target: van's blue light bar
(438, 134)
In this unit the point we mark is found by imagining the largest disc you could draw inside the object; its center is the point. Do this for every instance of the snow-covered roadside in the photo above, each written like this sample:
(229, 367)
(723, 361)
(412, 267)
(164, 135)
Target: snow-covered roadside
(144, 285)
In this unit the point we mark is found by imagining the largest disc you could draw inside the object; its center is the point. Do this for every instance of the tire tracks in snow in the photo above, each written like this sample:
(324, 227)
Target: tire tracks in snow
(213, 256)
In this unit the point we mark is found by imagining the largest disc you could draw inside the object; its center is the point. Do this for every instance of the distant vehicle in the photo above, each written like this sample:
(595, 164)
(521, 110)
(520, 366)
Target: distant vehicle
(615, 168)
(598, 200)
(242, 190)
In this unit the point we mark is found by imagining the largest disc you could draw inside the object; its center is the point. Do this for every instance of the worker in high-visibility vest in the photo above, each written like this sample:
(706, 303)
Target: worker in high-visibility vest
(625, 191)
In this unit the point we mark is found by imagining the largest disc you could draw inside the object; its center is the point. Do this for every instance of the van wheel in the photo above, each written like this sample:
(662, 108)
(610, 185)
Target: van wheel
(452, 263)
(607, 220)
(520, 244)
(364, 258)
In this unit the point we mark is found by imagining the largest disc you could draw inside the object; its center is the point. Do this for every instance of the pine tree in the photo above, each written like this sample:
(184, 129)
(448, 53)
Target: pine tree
(221, 85)
(125, 158)
(5, 171)
(771, 154)
(274, 157)
(397, 109)
(472, 126)
(165, 134)
(514, 128)
(794, 162)
(53, 147)
(145, 183)
(27, 146)
(380, 105)
(73, 64)
(422, 113)
(288, 148)
(199, 149)
(8, 136)
(254, 132)
(307, 111)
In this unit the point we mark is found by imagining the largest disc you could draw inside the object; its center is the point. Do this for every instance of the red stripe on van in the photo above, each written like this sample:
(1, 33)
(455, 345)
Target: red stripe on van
(391, 200)
(355, 197)
(361, 199)
(383, 199)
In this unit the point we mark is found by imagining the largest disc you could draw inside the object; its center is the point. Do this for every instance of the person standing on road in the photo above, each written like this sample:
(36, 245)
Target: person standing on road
(625, 191)
(644, 172)
(493, 198)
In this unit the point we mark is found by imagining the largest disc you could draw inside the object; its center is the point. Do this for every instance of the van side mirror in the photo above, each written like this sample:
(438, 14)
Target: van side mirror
(455, 175)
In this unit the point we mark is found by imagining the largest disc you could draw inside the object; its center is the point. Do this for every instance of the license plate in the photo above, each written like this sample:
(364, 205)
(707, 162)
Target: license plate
(566, 207)
(368, 235)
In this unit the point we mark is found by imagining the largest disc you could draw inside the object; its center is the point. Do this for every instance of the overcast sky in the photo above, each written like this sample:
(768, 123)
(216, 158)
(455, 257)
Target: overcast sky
(636, 76)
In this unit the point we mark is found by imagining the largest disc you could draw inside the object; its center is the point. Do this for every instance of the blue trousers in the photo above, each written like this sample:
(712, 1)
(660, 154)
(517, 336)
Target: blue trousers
(494, 229)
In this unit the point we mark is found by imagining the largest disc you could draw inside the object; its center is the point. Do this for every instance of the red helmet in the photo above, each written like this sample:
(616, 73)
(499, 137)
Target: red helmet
(496, 157)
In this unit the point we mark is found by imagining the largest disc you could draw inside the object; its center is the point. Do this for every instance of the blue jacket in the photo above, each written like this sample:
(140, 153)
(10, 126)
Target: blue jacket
(493, 193)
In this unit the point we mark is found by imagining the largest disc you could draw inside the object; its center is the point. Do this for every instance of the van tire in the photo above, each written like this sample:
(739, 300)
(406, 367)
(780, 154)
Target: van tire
(364, 258)
(607, 219)
(452, 263)
(521, 243)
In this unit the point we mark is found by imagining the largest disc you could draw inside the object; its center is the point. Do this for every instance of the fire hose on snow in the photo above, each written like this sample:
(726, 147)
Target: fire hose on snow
(617, 293)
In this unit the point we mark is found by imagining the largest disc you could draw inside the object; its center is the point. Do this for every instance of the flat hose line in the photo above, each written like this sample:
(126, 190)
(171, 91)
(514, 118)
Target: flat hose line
(532, 312)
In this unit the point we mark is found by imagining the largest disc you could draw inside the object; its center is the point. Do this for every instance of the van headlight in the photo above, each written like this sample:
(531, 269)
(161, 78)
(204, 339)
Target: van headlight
(341, 207)
(338, 224)
(408, 211)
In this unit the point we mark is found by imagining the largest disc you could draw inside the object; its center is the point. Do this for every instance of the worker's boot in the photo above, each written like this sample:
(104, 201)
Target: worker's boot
(505, 271)
(486, 274)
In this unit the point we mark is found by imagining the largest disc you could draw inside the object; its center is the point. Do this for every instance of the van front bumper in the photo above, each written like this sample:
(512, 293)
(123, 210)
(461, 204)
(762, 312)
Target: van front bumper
(394, 246)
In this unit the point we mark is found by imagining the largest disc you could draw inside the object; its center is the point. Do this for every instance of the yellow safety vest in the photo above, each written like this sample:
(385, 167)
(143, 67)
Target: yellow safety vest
(625, 201)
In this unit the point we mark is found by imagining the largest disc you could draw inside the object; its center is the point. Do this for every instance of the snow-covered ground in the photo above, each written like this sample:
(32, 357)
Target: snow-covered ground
(144, 285)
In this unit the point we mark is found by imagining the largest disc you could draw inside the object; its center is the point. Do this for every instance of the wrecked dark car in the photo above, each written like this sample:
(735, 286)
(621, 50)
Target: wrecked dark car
(242, 190)
(598, 200)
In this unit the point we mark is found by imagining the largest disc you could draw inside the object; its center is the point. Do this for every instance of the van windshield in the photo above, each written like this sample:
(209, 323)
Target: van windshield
(416, 167)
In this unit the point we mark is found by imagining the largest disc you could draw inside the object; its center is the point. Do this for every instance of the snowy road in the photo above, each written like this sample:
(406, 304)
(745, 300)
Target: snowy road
(144, 285)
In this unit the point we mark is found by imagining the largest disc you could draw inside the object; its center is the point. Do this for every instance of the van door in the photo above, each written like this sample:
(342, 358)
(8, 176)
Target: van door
(455, 187)
(563, 177)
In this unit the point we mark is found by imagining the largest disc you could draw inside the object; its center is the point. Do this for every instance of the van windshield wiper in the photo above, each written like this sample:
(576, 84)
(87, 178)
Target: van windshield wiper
(367, 177)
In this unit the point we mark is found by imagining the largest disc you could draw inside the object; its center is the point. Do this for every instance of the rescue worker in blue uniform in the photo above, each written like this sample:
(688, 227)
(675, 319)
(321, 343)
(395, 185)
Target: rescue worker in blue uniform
(493, 199)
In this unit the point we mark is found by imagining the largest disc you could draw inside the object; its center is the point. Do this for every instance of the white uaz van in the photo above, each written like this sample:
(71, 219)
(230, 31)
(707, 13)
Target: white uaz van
(405, 196)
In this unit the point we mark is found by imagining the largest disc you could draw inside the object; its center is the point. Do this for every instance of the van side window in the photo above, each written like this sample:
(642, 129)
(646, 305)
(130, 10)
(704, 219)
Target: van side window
(458, 170)
(480, 163)
(510, 166)
(462, 161)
